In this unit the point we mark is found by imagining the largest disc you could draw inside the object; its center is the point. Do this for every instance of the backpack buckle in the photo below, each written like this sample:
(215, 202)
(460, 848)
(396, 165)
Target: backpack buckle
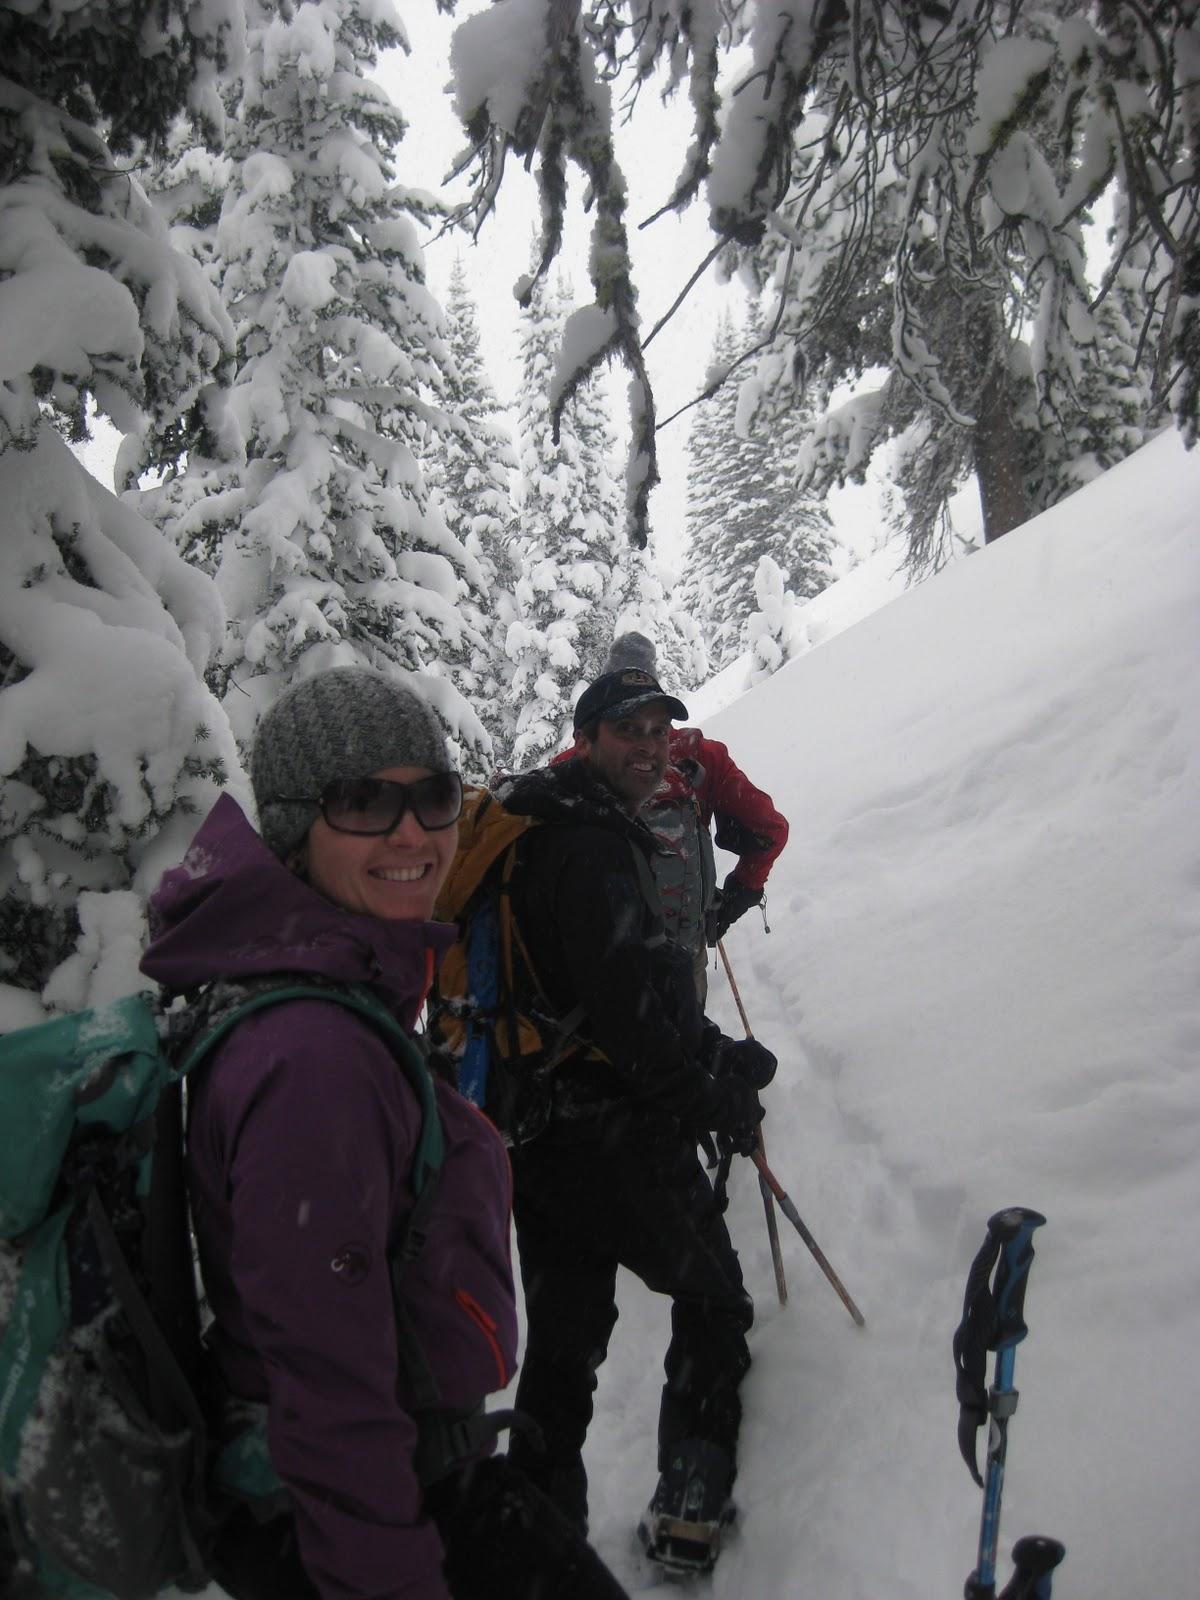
(412, 1243)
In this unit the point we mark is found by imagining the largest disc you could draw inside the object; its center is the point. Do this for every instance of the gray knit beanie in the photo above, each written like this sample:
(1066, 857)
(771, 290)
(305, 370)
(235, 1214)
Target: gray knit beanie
(631, 650)
(344, 723)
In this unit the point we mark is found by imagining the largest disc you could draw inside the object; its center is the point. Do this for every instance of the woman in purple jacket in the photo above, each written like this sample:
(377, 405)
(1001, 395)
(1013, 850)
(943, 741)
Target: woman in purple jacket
(301, 1139)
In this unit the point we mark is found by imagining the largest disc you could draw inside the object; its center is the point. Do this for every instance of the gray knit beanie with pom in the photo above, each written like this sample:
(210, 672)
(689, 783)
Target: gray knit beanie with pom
(347, 722)
(631, 650)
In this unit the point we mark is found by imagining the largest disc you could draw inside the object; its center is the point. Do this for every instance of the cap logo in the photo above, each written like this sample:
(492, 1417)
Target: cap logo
(636, 678)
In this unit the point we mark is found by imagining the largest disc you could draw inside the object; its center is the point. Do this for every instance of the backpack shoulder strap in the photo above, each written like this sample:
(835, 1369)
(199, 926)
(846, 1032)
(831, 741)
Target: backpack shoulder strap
(567, 1027)
(427, 1162)
(651, 896)
(486, 831)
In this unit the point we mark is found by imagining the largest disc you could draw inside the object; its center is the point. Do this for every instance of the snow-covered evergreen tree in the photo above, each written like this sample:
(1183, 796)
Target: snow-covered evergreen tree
(322, 533)
(933, 229)
(650, 608)
(774, 631)
(741, 506)
(110, 744)
(469, 467)
(1114, 394)
(805, 534)
(917, 175)
(528, 77)
(569, 587)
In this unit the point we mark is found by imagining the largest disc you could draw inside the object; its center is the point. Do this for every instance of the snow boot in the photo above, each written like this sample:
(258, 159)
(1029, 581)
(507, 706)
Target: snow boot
(681, 1528)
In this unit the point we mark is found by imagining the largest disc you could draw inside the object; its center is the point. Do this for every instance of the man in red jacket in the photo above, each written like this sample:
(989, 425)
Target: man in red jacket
(703, 783)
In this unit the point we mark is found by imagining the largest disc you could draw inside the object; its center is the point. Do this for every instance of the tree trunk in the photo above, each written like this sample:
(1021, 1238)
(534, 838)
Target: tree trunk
(998, 461)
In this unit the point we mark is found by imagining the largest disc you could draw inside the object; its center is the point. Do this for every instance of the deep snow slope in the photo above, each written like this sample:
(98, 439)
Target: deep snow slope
(982, 982)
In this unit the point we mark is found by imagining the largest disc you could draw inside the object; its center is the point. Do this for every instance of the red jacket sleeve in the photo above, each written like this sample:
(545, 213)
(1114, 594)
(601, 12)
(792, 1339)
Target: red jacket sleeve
(747, 821)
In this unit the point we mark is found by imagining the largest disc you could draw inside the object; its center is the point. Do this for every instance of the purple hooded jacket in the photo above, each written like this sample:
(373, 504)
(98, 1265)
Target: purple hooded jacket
(302, 1129)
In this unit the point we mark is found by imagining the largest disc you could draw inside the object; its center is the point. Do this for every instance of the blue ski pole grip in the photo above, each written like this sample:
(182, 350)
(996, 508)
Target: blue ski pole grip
(1013, 1230)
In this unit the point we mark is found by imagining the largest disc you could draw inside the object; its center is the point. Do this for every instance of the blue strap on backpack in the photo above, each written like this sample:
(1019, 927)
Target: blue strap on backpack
(483, 984)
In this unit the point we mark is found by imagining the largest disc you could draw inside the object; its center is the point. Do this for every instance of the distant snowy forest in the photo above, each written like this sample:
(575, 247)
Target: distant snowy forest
(206, 238)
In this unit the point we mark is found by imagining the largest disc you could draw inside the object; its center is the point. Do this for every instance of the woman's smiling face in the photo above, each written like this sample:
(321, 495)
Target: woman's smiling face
(393, 875)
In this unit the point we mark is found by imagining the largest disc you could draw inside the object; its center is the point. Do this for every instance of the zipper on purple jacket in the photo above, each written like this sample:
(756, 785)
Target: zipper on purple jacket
(486, 1326)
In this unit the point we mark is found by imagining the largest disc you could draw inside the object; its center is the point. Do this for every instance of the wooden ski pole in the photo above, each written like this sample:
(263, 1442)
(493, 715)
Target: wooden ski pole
(737, 998)
(772, 1226)
(793, 1216)
(769, 1182)
(764, 1187)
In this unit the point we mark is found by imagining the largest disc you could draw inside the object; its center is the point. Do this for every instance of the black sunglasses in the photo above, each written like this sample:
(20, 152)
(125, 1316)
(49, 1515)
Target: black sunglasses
(377, 805)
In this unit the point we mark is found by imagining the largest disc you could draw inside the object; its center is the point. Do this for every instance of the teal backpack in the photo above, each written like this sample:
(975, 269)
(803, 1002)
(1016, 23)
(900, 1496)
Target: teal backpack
(111, 1481)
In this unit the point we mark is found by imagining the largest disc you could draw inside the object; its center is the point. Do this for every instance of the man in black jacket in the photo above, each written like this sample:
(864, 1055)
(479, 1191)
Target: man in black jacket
(614, 1178)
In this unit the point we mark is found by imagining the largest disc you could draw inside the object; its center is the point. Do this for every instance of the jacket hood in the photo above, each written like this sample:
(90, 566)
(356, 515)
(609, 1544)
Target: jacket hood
(571, 792)
(232, 910)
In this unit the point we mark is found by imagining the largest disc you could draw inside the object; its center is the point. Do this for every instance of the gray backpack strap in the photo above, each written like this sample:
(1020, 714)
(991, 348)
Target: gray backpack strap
(651, 896)
(447, 1439)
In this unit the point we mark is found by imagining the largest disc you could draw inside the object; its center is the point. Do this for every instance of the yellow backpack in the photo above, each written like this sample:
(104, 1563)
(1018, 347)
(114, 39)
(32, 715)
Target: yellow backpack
(488, 1014)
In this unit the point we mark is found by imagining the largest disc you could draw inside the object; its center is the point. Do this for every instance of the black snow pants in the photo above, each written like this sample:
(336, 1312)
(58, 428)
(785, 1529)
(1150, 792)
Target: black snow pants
(640, 1200)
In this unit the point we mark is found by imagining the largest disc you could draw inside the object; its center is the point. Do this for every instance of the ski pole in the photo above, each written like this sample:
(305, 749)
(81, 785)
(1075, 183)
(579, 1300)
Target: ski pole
(768, 1180)
(768, 1200)
(737, 998)
(764, 1187)
(793, 1216)
(993, 1312)
(1034, 1559)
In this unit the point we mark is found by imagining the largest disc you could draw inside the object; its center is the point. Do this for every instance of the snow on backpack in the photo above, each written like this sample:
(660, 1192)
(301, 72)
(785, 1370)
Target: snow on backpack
(111, 1484)
(488, 1014)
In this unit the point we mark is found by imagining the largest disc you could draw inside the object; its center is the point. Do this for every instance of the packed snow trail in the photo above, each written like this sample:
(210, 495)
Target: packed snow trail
(811, 1362)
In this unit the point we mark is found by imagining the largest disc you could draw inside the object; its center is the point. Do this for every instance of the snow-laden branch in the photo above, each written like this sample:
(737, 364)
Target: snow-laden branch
(552, 103)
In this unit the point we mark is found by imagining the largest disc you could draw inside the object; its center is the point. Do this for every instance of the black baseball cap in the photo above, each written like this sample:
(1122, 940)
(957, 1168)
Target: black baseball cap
(616, 694)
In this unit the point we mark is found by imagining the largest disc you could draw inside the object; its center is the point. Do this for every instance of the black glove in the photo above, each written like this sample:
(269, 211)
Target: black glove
(732, 900)
(746, 1058)
(734, 1114)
